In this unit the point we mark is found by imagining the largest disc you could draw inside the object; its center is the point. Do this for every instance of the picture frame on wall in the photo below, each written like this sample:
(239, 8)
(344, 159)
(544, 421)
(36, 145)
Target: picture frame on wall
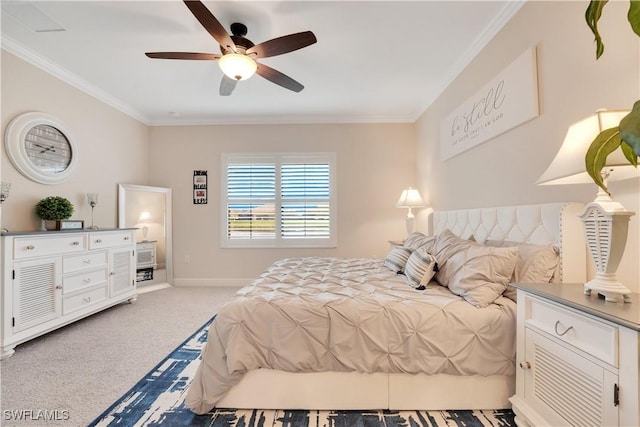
(199, 187)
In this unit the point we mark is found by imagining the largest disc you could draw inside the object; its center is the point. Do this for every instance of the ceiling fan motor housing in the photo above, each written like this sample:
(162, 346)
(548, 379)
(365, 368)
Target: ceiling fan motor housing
(242, 44)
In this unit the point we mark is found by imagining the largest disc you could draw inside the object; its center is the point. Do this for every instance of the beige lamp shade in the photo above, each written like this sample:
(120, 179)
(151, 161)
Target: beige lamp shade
(568, 167)
(410, 198)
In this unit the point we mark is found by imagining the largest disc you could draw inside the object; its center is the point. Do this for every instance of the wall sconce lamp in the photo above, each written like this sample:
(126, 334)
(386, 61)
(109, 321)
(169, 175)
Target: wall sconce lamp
(605, 221)
(410, 198)
(92, 199)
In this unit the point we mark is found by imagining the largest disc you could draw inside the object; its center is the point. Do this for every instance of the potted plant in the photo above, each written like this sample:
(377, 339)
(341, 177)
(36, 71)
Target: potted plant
(53, 208)
(627, 135)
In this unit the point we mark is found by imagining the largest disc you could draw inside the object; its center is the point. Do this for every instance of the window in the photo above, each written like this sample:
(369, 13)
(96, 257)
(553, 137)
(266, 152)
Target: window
(278, 200)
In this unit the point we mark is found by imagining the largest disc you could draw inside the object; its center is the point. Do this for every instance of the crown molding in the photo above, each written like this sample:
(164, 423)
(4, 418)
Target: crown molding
(283, 120)
(68, 77)
(508, 11)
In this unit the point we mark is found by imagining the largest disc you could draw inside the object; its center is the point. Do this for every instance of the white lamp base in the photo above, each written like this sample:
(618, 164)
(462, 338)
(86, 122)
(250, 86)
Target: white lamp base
(607, 285)
(606, 224)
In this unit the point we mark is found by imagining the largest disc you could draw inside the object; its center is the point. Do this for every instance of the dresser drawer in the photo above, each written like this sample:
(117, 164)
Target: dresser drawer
(84, 299)
(85, 280)
(87, 260)
(28, 247)
(109, 240)
(594, 337)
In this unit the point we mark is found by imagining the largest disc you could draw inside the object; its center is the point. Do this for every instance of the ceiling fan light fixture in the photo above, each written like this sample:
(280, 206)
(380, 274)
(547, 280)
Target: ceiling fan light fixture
(237, 66)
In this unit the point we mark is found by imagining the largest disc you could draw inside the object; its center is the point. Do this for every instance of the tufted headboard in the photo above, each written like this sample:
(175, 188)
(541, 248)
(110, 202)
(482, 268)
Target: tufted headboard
(549, 223)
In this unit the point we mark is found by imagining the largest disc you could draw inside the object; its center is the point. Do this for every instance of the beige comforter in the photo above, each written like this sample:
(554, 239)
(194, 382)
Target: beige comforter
(334, 314)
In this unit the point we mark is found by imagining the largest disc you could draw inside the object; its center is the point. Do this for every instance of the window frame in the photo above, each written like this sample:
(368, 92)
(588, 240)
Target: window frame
(278, 159)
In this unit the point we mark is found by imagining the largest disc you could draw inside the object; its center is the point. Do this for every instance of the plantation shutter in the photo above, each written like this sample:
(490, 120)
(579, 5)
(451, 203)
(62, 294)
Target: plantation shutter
(305, 195)
(278, 200)
(251, 192)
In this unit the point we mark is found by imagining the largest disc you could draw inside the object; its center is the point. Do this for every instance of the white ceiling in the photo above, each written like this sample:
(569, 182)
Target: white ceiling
(375, 61)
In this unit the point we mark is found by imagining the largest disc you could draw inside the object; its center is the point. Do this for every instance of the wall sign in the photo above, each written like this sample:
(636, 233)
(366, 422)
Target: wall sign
(199, 187)
(508, 100)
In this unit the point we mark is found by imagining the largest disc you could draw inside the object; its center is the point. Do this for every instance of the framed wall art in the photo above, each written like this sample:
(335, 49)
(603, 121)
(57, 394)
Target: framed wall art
(507, 101)
(199, 187)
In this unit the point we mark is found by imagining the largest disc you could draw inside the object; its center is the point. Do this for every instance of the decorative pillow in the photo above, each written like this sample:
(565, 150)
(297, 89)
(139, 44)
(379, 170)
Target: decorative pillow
(448, 244)
(420, 268)
(479, 274)
(417, 240)
(397, 258)
(536, 263)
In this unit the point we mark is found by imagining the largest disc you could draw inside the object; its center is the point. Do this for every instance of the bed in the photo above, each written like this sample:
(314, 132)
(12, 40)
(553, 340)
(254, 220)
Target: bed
(332, 333)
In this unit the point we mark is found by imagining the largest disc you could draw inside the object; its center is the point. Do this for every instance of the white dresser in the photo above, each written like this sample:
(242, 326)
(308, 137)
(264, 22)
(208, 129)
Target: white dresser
(50, 279)
(577, 358)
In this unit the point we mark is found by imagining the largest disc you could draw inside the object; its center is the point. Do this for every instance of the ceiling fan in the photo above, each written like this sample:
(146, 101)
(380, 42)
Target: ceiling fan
(239, 54)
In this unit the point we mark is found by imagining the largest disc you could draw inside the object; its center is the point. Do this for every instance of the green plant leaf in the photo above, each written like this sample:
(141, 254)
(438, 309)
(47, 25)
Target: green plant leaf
(630, 128)
(592, 15)
(605, 143)
(630, 155)
(54, 208)
(634, 16)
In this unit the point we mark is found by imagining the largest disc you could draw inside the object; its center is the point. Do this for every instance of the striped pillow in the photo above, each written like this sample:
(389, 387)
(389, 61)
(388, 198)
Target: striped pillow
(421, 267)
(397, 258)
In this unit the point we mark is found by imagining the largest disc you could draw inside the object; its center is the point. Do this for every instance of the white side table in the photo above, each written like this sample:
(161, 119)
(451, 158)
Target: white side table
(145, 259)
(578, 358)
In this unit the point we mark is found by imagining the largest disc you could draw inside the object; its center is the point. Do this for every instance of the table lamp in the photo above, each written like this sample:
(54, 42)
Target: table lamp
(605, 221)
(410, 198)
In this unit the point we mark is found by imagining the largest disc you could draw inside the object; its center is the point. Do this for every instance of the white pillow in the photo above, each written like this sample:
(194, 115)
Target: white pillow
(479, 274)
(417, 240)
(397, 258)
(421, 267)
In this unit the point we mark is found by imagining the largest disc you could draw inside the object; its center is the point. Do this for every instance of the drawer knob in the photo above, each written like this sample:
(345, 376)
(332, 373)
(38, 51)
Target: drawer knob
(126, 237)
(30, 247)
(525, 365)
(75, 243)
(86, 280)
(87, 299)
(565, 331)
(98, 240)
(87, 261)
(58, 286)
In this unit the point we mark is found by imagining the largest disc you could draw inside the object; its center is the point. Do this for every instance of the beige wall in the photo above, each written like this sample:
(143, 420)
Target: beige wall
(112, 147)
(572, 85)
(375, 163)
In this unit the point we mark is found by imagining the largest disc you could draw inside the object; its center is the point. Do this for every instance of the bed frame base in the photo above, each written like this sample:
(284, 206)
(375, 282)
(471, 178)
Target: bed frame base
(271, 389)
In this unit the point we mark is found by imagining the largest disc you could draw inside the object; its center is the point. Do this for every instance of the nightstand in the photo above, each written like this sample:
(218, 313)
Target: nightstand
(577, 358)
(145, 260)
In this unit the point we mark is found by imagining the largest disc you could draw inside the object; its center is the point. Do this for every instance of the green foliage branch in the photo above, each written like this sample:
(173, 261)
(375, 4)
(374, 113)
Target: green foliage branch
(54, 208)
(627, 135)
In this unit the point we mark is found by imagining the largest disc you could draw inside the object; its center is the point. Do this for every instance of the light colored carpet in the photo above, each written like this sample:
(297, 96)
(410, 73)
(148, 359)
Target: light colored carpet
(81, 369)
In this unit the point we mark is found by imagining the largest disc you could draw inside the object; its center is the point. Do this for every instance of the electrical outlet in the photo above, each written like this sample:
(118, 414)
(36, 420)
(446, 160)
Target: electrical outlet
(187, 259)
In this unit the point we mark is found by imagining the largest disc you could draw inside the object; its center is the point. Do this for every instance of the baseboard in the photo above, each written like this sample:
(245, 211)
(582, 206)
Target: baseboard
(153, 287)
(212, 282)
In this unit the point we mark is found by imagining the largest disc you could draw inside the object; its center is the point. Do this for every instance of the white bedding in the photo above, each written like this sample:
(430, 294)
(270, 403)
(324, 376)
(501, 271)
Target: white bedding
(334, 314)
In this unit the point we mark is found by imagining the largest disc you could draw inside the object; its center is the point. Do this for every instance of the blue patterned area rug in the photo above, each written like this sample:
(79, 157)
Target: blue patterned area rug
(158, 399)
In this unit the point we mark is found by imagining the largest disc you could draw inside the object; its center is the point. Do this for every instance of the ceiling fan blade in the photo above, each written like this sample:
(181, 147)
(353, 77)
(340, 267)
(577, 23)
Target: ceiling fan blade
(227, 85)
(211, 24)
(275, 76)
(184, 55)
(283, 44)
